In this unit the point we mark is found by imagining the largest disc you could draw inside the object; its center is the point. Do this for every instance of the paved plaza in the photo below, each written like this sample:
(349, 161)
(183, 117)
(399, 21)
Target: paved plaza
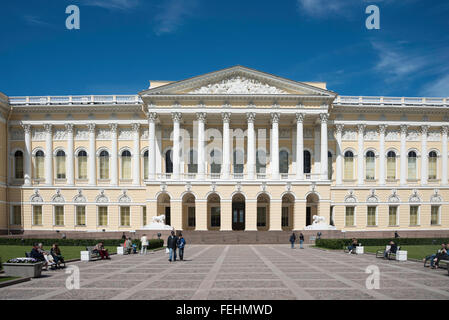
(253, 272)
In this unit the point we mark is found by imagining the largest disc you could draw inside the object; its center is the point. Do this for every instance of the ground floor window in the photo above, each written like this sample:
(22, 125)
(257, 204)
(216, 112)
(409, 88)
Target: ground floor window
(37, 215)
(414, 219)
(215, 216)
(371, 216)
(80, 215)
(102, 216)
(392, 216)
(144, 215)
(350, 216)
(16, 215)
(59, 215)
(191, 216)
(331, 220)
(284, 216)
(125, 216)
(435, 215)
(261, 216)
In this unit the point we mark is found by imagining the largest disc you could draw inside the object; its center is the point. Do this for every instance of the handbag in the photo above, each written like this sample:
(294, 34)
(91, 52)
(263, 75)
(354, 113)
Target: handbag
(167, 250)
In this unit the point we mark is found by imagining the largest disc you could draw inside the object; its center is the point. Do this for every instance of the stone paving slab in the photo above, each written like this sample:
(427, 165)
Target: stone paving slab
(244, 272)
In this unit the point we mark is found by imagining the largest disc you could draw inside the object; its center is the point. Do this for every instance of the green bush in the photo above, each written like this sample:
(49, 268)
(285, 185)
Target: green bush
(342, 243)
(152, 243)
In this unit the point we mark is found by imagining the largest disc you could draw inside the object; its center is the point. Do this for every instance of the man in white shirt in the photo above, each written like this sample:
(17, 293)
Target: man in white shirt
(144, 244)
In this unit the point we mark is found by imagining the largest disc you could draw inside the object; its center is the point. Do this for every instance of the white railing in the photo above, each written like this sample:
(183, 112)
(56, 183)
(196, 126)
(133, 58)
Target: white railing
(236, 176)
(75, 100)
(400, 101)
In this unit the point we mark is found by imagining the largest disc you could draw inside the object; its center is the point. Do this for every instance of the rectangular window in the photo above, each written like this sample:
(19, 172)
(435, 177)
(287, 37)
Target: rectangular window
(80, 215)
(215, 216)
(391, 168)
(414, 215)
(284, 216)
(261, 216)
(16, 215)
(144, 215)
(60, 167)
(411, 168)
(435, 215)
(370, 168)
(349, 166)
(350, 216)
(82, 167)
(59, 215)
(432, 168)
(371, 221)
(37, 215)
(102, 216)
(39, 167)
(392, 216)
(126, 168)
(191, 216)
(125, 217)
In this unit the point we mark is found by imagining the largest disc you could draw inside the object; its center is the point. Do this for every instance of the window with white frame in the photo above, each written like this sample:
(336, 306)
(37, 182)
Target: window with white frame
(433, 157)
(60, 164)
(412, 165)
(371, 216)
(435, 215)
(391, 165)
(18, 164)
(37, 215)
(16, 215)
(102, 216)
(59, 215)
(80, 215)
(144, 215)
(126, 165)
(283, 161)
(82, 164)
(393, 216)
(261, 161)
(145, 164)
(350, 217)
(39, 165)
(414, 215)
(349, 166)
(370, 165)
(104, 164)
(125, 216)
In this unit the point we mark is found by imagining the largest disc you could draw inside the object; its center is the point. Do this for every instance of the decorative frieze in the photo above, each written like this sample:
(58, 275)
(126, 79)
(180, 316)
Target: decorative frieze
(103, 134)
(349, 135)
(413, 135)
(125, 134)
(60, 134)
(38, 134)
(392, 135)
(81, 134)
(371, 135)
(17, 134)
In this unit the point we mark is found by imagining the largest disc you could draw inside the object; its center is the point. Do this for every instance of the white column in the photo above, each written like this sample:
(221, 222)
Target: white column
(201, 117)
(424, 156)
(382, 130)
(360, 153)
(299, 146)
(444, 178)
(114, 155)
(177, 117)
(92, 155)
(152, 117)
(251, 158)
(48, 154)
(339, 159)
(275, 146)
(403, 179)
(27, 155)
(136, 153)
(70, 168)
(226, 169)
(324, 148)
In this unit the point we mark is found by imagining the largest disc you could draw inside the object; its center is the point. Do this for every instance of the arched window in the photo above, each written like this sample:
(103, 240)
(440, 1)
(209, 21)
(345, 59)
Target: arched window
(391, 165)
(370, 165)
(261, 161)
(168, 162)
(126, 165)
(238, 161)
(283, 161)
(215, 161)
(349, 165)
(104, 165)
(145, 164)
(412, 160)
(433, 165)
(329, 166)
(82, 164)
(18, 164)
(307, 162)
(39, 165)
(60, 165)
(192, 165)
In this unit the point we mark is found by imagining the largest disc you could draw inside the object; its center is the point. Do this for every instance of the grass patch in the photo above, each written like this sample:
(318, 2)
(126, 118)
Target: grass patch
(3, 279)
(68, 252)
(413, 252)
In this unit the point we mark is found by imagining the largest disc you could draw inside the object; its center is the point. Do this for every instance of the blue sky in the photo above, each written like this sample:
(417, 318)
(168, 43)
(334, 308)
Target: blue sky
(122, 44)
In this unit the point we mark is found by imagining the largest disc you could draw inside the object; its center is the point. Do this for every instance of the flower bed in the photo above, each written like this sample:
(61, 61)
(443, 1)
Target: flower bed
(23, 267)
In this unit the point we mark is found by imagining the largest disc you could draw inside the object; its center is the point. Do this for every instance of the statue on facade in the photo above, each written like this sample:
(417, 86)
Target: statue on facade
(319, 223)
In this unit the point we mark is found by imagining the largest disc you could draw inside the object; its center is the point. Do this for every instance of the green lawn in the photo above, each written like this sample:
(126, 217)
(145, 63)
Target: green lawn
(413, 252)
(9, 252)
(3, 279)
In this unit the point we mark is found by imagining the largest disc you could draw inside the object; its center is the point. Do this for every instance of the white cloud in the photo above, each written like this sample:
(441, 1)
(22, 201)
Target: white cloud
(35, 21)
(322, 8)
(172, 15)
(113, 4)
(438, 88)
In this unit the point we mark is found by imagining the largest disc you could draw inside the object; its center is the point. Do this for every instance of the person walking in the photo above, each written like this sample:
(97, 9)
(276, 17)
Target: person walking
(171, 245)
(143, 244)
(293, 239)
(301, 240)
(181, 246)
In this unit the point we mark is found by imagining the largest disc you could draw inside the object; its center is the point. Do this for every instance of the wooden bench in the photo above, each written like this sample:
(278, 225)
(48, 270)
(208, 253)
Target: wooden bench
(445, 263)
(92, 254)
(391, 255)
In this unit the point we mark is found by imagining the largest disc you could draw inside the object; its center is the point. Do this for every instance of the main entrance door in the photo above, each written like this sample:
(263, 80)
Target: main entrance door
(238, 216)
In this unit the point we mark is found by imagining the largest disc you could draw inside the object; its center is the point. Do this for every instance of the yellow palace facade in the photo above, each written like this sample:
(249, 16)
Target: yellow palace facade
(236, 149)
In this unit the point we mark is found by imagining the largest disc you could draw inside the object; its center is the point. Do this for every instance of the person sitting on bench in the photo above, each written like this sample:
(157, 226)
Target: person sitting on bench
(104, 254)
(56, 254)
(443, 255)
(433, 256)
(393, 249)
(38, 255)
(353, 245)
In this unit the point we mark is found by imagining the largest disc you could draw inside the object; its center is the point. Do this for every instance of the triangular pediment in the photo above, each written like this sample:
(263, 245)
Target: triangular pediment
(238, 80)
